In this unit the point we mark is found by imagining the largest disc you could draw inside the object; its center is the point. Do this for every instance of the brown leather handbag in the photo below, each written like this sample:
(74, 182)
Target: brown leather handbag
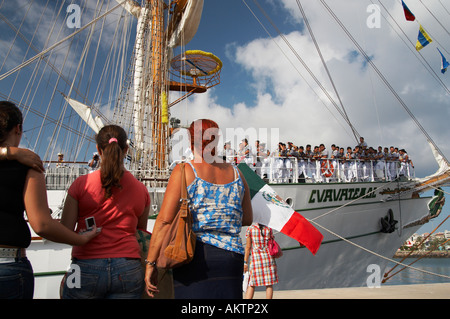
(178, 245)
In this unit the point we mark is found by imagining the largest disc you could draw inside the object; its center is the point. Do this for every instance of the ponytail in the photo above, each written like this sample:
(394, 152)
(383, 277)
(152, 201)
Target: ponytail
(112, 141)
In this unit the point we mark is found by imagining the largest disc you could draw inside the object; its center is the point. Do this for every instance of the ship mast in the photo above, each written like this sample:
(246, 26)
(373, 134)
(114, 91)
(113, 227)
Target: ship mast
(143, 105)
(142, 99)
(158, 89)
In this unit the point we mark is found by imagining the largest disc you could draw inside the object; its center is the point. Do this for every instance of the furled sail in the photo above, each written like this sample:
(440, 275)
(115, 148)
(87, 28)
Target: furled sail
(142, 102)
(131, 6)
(141, 13)
(442, 175)
(85, 112)
(186, 22)
(138, 77)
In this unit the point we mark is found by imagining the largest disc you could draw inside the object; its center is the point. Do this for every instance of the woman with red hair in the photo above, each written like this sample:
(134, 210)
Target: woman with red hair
(220, 203)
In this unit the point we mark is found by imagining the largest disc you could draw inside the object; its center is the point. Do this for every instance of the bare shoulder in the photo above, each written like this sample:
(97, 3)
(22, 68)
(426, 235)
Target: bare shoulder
(176, 173)
(175, 176)
(35, 176)
(226, 168)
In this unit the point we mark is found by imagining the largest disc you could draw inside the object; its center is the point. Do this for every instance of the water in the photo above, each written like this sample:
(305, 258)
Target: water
(411, 276)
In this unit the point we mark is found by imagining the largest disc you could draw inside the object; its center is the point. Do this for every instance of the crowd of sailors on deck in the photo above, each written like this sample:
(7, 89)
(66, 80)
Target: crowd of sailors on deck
(292, 163)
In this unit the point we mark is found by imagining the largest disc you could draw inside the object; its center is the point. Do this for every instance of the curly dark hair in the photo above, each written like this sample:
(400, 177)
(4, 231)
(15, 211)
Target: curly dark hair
(10, 116)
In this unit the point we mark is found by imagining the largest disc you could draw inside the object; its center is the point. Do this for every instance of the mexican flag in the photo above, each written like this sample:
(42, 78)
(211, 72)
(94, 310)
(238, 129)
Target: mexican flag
(270, 210)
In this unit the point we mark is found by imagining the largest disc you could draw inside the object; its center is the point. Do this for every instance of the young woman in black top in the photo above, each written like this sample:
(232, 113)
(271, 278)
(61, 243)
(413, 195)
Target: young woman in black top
(22, 188)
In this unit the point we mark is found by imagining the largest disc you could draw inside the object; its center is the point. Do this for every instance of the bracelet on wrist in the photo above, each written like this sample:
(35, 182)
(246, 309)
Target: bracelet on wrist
(3, 153)
(150, 263)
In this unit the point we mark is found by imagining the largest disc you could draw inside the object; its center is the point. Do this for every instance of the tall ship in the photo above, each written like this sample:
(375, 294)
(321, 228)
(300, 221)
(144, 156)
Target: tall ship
(74, 66)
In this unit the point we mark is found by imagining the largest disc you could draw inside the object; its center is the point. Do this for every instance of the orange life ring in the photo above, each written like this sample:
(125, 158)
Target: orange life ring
(327, 168)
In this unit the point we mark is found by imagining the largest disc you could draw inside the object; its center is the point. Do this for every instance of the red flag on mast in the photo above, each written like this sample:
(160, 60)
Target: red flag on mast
(408, 14)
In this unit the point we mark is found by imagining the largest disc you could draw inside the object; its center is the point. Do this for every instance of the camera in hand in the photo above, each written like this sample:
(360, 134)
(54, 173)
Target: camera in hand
(90, 223)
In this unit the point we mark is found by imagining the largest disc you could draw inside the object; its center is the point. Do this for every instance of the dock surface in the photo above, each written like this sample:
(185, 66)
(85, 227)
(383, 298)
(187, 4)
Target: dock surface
(422, 291)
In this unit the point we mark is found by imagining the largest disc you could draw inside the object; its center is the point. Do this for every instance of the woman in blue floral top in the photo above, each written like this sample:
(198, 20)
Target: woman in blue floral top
(220, 203)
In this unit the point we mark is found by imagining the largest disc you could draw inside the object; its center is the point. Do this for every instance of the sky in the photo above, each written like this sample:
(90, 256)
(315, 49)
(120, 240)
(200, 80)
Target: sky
(266, 93)
(264, 85)
(260, 87)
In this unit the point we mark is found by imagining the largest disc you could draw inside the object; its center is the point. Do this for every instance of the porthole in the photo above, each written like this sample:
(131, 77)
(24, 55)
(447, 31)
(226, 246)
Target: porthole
(289, 201)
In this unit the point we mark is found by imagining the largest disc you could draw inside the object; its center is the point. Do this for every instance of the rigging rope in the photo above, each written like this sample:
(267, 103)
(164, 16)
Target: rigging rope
(313, 220)
(42, 53)
(353, 201)
(444, 7)
(376, 254)
(432, 14)
(384, 185)
(46, 60)
(355, 133)
(388, 272)
(409, 265)
(299, 59)
(383, 78)
(411, 47)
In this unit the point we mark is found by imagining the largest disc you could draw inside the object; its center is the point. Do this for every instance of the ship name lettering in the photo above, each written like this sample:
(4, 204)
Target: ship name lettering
(337, 195)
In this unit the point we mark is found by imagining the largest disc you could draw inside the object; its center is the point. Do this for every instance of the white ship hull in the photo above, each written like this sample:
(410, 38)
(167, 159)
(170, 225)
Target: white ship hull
(338, 263)
(131, 91)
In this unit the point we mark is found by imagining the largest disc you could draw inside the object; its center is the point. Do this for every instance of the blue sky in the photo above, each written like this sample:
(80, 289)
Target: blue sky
(258, 83)
(263, 85)
(257, 77)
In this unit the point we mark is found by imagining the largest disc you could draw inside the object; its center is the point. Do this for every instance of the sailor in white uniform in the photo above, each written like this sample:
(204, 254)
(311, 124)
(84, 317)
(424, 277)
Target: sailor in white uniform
(309, 164)
(280, 173)
(228, 152)
(405, 166)
(349, 165)
(392, 163)
(323, 161)
(356, 167)
(380, 157)
(248, 154)
(340, 168)
(302, 162)
(264, 160)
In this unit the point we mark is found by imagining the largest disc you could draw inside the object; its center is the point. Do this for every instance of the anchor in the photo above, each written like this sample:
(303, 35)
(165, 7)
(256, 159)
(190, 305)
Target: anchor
(388, 222)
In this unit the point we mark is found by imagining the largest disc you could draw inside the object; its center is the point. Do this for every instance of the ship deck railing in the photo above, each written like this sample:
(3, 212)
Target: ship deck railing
(279, 169)
(60, 175)
(273, 169)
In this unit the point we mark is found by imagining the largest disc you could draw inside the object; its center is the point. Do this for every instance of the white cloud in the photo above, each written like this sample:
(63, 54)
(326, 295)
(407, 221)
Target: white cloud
(285, 101)
(279, 96)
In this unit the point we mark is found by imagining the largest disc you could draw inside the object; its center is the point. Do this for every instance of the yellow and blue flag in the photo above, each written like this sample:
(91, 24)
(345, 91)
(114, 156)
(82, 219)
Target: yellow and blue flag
(423, 39)
(444, 63)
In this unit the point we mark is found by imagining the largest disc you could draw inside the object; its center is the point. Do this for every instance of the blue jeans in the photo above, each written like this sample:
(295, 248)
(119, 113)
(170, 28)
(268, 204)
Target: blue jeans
(105, 278)
(16, 279)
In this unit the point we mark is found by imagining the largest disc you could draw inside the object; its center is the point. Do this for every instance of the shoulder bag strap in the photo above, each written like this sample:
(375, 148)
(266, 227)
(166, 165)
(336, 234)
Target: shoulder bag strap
(183, 198)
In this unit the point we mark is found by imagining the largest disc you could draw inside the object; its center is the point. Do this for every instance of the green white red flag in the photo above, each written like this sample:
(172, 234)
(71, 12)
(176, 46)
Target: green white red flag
(272, 211)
